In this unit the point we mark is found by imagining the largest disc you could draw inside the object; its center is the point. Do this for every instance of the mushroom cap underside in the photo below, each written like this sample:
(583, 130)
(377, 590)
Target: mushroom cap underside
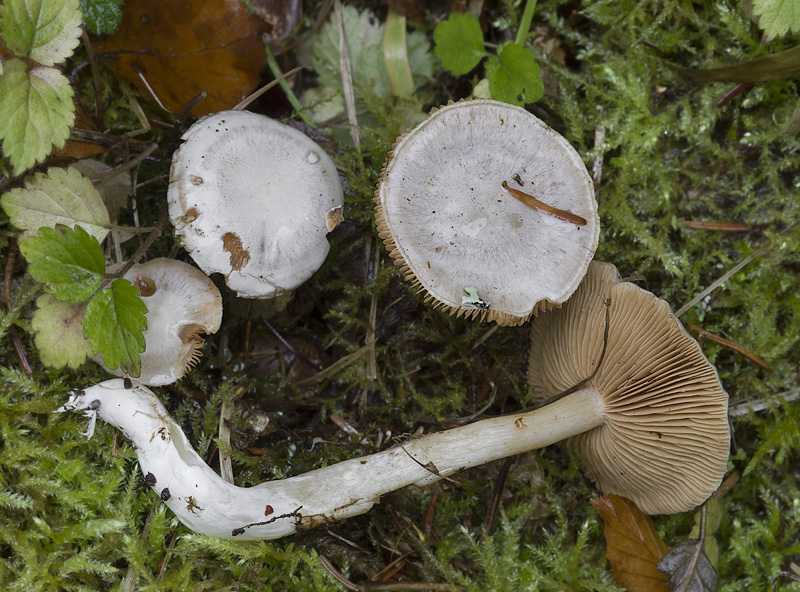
(666, 437)
(448, 222)
(182, 302)
(253, 199)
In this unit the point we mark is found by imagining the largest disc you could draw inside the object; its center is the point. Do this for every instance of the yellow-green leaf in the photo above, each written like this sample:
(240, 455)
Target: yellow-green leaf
(37, 113)
(45, 31)
(59, 332)
(60, 196)
(777, 17)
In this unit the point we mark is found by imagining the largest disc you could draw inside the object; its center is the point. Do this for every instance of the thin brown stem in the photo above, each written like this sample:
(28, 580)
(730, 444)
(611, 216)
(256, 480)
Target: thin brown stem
(730, 344)
(531, 201)
(98, 92)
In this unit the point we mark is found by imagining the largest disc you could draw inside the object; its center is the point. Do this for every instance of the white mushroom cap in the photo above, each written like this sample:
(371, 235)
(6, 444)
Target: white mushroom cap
(664, 438)
(182, 302)
(253, 199)
(447, 220)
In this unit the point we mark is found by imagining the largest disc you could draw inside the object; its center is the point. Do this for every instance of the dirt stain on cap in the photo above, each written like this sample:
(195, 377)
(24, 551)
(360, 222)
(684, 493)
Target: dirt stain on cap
(233, 244)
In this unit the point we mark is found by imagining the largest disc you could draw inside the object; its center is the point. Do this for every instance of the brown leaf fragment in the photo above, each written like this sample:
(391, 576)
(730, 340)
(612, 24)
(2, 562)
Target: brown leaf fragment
(689, 568)
(174, 49)
(633, 547)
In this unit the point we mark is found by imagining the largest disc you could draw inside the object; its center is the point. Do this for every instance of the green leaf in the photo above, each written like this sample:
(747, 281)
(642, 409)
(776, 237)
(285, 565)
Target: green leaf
(514, 76)
(113, 323)
(45, 31)
(784, 64)
(60, 196)
(59, 332)
(67, 260)
(37, 113)
(101, 17)
(777, 17)
(459, 43)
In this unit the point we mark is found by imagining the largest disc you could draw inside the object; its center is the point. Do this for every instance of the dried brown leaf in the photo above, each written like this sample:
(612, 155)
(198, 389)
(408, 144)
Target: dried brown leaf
(633, 547)
(174, 49)
(689, 568)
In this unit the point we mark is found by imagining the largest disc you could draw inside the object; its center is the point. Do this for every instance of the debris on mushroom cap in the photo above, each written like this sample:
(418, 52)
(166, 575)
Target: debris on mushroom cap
(182, 302)
(447, 220)
(253, 199)
(665, 440)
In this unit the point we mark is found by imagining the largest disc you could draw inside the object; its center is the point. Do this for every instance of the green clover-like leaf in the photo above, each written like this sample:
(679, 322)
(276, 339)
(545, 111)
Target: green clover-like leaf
(37, 113)
(777, 17)
(113, 324)
(60, 196)
(59, 332)
(101, 17)
(68, 261)
(45, 31)
(514, 76)
(459, 43)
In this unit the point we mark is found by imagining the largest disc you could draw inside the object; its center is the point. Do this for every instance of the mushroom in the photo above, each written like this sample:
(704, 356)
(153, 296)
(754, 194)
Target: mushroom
(182, 303)
(661, 435)
(253, 199)
(483, 195)
(652, 421)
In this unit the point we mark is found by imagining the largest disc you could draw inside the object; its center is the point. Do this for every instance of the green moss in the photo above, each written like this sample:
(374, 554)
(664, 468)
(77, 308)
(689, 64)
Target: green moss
(74, 517)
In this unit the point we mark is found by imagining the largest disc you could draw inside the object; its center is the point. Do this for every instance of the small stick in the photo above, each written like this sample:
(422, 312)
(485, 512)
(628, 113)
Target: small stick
(531, 201)
(289, 346)
(347, 77)
(717, 226)
(98, 93)
(326, 563)
(225, 465)
(428, 526)
(733, 93)
(253, 96)
(494, 504)
(733, 271)
(734, 346)
(142, 249)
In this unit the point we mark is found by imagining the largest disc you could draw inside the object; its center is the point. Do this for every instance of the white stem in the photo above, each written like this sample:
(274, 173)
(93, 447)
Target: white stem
(206, 503)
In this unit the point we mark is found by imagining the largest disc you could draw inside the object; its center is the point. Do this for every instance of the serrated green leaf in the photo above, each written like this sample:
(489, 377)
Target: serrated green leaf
(459, 43)
(514, 76)
(113, 323)
(45, 31)
(37, 113)
(67, 260)
(60, 196)
(59, 332)
(101, 17)
(777, 17)
(364, 37)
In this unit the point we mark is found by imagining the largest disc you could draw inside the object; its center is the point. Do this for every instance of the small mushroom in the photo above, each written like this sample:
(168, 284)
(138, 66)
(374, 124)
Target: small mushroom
(661, 435)
(483, 196)
(253, 199)
(182, 302)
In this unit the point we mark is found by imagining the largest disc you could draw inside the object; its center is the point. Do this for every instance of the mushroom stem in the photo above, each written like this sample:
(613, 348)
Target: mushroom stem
(207, 504)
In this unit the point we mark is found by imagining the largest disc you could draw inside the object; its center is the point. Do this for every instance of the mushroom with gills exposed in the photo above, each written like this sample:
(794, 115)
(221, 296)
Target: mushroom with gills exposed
(655, 397)
(253, 199)
(662, 435)
(182, 303)
(482, 198)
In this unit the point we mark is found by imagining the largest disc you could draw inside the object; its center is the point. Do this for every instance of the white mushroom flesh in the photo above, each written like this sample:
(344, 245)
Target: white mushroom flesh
(251, 198)
(446, 218)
